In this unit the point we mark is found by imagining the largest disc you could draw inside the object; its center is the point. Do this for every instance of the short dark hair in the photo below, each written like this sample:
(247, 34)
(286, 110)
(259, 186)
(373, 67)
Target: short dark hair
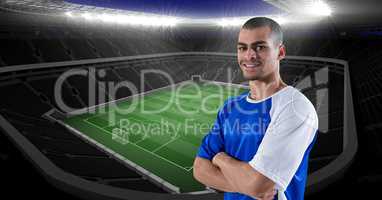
(256, 22)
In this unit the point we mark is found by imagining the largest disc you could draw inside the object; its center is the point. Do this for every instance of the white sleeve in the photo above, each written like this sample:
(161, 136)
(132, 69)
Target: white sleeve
(285, 142)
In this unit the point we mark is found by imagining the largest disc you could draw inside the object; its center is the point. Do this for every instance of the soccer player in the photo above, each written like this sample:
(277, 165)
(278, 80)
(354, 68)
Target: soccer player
(259, 145)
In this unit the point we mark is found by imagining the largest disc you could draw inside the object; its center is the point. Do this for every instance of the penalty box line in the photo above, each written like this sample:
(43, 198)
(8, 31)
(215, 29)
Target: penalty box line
(137, 120)
(188, 169)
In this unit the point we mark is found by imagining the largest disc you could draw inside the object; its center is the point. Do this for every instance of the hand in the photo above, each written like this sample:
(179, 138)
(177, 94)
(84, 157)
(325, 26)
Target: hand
(218, 157)
(268, 196)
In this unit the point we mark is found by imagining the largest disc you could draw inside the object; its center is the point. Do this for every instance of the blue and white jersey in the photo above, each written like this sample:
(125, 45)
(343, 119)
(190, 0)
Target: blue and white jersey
(274, 135)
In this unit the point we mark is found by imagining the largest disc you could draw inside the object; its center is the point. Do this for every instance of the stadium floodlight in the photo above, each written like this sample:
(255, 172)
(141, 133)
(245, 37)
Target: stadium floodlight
(106, 17)
(87, 16)
(226, 22)
(231, 22)
(120, 19)
(129, 19)
(172, 21)
(165, 21)
(318, 8)
(143, 20)
(69, 14)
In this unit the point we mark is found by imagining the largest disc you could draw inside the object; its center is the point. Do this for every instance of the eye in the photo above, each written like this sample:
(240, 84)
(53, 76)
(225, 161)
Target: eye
(241, 48)
(260, 48)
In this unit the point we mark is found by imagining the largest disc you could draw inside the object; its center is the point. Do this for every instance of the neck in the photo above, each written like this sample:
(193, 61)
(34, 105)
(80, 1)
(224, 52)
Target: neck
(261, 89)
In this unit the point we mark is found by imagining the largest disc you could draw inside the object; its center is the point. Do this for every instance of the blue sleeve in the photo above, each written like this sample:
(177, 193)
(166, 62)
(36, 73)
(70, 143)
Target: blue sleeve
(213, 142)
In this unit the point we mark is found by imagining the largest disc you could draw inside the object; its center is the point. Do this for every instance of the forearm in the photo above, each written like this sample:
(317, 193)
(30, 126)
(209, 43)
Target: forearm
(210, 175)
(234, 172)
(243, 177)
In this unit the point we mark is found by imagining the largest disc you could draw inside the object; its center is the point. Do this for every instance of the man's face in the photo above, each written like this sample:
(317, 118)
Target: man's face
(257, 54)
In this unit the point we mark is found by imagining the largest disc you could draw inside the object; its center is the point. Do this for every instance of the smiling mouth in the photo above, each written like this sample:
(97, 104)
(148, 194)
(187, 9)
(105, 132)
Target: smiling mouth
(254, 65)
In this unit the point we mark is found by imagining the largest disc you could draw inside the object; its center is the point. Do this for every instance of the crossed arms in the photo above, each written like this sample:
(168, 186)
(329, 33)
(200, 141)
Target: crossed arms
(230, 175)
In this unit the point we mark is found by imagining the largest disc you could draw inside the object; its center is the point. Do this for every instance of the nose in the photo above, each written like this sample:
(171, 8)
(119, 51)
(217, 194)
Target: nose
(250, 54)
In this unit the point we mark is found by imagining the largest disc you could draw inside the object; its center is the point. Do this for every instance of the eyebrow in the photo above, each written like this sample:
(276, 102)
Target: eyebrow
(255, 43)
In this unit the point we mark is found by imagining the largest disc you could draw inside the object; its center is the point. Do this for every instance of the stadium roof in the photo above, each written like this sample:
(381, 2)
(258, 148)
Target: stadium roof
(189, 8)
(163, 13)
(205, 12)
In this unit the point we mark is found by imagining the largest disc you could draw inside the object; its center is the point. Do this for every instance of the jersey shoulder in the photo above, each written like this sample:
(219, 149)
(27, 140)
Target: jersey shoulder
(294, 102)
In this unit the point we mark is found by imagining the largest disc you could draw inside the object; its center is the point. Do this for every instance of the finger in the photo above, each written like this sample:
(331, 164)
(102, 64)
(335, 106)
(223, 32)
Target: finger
(270, 195)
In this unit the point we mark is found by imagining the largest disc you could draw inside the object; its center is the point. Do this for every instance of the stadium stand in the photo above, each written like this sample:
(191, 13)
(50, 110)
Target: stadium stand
(14, 49)
(46, 85)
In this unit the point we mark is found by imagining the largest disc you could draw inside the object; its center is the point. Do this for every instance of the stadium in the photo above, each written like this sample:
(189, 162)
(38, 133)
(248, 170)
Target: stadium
(111, 100)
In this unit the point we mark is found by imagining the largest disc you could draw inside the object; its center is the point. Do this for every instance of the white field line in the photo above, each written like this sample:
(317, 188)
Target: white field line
(130, 164)
(165, 144)
(156, 155)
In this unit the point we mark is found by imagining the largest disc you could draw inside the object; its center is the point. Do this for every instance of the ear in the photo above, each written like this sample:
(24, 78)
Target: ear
(282, 52)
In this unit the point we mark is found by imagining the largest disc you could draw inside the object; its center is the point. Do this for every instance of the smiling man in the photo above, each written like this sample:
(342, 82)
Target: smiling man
(259, 145)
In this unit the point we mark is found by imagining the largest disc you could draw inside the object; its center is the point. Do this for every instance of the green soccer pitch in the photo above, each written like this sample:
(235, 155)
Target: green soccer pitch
(161, 136)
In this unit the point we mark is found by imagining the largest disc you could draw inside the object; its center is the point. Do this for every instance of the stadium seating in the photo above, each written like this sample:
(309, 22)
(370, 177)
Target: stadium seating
(51, 50)
(11, 50)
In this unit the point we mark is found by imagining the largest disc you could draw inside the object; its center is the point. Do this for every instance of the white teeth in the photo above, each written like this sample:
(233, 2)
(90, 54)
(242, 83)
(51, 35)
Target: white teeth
(246, 65)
